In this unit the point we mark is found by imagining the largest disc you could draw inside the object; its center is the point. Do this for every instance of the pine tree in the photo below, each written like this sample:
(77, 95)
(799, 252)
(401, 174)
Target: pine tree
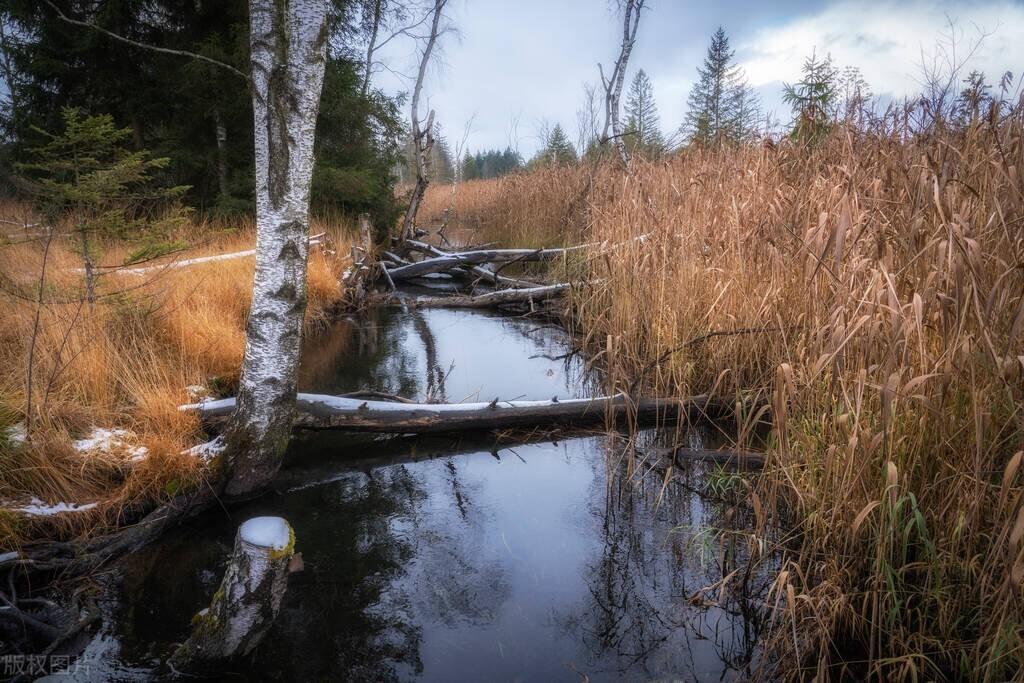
(469, 170)
(813, 98)
(558, 149)
(87, 176)
(642, 123)
(722, 105)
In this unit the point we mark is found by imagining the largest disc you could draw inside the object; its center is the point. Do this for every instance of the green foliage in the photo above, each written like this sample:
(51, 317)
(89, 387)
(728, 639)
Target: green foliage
(557, 149)
(642, 121)
(813, 98)
(86, 175)
(175, 106)
(490, 164)
(722, 106)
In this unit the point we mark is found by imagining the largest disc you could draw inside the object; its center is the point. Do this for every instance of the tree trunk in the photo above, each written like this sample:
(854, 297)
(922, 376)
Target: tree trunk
(288, 46)
(247, 602)
(222, 155)
(320, 411)
(422, 138)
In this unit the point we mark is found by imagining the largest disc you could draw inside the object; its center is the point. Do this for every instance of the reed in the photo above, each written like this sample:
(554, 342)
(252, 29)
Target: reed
(869, 290)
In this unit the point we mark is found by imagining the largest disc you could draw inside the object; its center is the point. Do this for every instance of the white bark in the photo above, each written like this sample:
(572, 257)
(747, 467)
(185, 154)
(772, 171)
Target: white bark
(288, 47)
(613, 84)
(248, 600)
(321, 411)
(422, 137)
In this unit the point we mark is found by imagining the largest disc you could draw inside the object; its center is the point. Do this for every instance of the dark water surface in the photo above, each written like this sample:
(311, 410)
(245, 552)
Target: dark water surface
(464, 558)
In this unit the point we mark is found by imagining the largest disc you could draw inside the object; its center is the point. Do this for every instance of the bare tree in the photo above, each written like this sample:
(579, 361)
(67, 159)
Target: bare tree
(422, 136)
(613, 83)
(379, 18)
(288, 48)
(587, 117)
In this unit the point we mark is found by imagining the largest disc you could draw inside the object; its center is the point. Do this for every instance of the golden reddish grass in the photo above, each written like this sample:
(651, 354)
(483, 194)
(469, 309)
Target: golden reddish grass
(874, 286)
(125, 362)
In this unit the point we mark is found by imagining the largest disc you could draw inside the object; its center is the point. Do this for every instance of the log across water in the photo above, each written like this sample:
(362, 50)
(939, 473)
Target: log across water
(321, 411)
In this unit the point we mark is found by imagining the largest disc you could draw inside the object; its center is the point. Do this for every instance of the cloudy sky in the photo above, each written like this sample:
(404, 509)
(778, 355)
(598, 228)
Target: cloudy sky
(527, 60)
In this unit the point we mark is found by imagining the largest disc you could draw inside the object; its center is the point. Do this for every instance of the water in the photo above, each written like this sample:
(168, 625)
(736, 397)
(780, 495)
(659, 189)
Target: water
(464, 558)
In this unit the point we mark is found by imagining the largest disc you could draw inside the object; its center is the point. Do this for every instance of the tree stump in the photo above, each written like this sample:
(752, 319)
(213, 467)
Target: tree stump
(246, 604)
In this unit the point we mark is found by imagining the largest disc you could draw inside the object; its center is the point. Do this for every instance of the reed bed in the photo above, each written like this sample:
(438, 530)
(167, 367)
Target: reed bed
(152, 341)
(868, 293)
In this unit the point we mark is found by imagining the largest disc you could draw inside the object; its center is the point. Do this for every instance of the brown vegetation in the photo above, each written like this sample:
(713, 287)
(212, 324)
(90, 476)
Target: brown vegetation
(128, 362)
(871, 289)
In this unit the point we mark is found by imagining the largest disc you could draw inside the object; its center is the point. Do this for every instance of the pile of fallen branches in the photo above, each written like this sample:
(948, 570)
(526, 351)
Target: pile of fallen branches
(413, 262)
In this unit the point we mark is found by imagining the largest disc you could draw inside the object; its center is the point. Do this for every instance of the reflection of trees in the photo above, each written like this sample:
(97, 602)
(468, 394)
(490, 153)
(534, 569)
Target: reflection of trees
(659, 548)
(368, 352)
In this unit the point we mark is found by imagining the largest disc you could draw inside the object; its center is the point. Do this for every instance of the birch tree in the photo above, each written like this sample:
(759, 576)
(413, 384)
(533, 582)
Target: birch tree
(422, 133)
(288, 41)
(613, 83)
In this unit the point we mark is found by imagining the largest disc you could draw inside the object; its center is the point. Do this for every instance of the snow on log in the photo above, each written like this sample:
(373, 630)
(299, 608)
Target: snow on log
(498, 297)
(247, 602)
(319, 411)
(447, 261)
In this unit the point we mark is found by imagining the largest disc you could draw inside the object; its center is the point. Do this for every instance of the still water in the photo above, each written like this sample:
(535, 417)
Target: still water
(472, 558)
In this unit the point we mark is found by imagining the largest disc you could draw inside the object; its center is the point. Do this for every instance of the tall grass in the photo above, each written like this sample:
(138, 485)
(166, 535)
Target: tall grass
(870, 291)
(126, 362)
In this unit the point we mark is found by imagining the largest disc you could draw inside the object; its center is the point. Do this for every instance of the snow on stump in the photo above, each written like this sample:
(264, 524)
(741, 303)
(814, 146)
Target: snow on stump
(246, 604)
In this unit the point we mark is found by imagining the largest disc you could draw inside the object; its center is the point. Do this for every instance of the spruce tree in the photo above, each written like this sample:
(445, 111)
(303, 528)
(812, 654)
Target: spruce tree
(722, 105)
(558, 149)
(813, 98)
(642, 122)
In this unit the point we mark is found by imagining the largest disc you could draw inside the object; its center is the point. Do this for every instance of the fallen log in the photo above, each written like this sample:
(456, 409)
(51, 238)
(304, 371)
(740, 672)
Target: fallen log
(320, 411)
(473, 272)
(449, 260)
(493, 299)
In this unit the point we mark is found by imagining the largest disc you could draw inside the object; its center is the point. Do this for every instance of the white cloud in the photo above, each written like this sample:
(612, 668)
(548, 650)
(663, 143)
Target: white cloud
(886, 41)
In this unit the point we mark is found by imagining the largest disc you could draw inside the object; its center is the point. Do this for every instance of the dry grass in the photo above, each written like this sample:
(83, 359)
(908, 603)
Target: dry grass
(540, 209)
(880, 279)
(124, 363)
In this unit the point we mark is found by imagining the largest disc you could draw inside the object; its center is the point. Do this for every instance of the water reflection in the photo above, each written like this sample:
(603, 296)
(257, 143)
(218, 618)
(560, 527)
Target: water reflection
(469, 557)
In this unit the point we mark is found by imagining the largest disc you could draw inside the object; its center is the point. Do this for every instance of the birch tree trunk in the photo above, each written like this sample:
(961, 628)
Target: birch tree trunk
(288, 43)
(422, 137)
(222, 155)
(244, 607)
(613, 84)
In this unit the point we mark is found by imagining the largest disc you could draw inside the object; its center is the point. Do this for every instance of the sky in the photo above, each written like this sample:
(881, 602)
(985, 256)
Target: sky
(516, 66)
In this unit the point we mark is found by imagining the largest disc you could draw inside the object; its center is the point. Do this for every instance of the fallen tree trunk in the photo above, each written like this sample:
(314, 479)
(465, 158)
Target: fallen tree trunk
(447, 261)
(493, 299)
(319, 411)
(471, 272)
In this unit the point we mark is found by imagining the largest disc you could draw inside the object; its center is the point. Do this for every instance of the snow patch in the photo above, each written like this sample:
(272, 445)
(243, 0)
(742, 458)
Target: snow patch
(17, 434)
(38, 508)
(207, 451)
(266, 532)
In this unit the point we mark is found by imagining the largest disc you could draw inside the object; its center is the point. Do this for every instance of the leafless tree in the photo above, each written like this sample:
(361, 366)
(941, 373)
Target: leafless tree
(587, 118)
(613, 83)
(288, 53)
(422, 133)
(381, 15)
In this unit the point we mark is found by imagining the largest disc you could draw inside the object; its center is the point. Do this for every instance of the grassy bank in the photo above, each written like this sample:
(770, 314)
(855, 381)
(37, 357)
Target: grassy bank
(154, 340)
(870, 290)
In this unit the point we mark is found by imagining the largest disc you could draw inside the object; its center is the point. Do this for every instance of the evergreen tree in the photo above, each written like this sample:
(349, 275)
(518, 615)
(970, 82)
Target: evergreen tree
(197, 114)
(642, 122)
(557, 149)
(469, 169)
(813, 98)
(86, 174)
(722, 105)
